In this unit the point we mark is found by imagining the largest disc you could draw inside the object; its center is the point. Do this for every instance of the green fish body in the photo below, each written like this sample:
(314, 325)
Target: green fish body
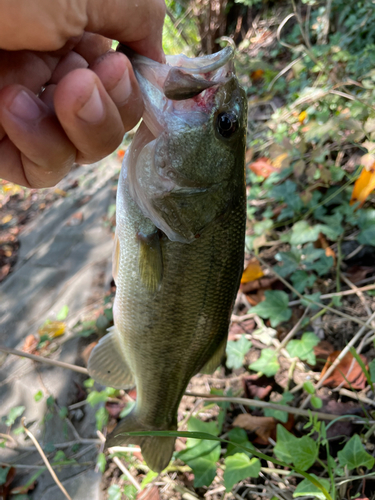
(179, 246)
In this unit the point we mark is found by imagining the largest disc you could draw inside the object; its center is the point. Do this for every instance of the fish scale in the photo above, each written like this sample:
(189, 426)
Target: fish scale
(179, 249)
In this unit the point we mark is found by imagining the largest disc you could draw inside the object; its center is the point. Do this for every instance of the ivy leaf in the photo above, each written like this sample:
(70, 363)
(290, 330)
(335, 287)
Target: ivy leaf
(306, 488)
(267, 363)
(304, 348)
(280, 415)
(367, 237)
(313, 296)
(200, 454)
(302, 233)
(14, 414)
(285, 441)
(238, 436)
(239, 467)
(354, 455)
(236, 351)
(302, 280)
(304, 452)
(274, 307)
(114, 492)
(290, 262)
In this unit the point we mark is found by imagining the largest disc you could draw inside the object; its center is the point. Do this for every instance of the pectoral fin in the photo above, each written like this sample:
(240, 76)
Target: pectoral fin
(216, 359)
(107, 365)
(150, 260)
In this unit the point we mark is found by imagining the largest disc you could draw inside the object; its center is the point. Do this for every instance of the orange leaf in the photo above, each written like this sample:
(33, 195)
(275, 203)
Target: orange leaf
(347, 373)
(252, 272)
(363, 186)
(151, 493)
(257, 74)
(262, 426)
(52, 329)
(263, 167)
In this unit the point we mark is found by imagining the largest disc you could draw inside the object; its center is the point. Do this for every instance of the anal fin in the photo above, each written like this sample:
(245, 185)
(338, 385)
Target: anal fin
(150, 260)
(215, 360)
(107, 364)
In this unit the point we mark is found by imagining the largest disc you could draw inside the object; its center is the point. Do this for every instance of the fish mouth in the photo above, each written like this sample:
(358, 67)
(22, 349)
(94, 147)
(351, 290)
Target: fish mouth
(183, 90)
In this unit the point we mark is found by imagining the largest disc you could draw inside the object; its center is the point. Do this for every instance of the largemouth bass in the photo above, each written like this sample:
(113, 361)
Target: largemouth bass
(179, 242)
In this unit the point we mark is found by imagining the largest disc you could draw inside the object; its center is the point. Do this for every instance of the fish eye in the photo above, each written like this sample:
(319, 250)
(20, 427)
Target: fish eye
(227, 124)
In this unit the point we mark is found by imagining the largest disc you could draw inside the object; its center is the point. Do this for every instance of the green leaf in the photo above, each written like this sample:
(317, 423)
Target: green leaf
(101, 417)
(267, 363)
(316, 402)
(274, 307)
(290, 262)
(307, 488)
(129, 490)
(372, 370)
(114, 492)
(239, 467)
(38, 396)
(3, 474)
(309, 387)
(367, 237)
(63, 412)
(237, 437)
(312, 296)
(200, 454)
(150, 476)
(96, 397)
(354, 455)
(89, 382)
(50, 401)
(304, 348)
(304, 452)
(14, 414)
(285, 441)
(302, 280)
(101, 462)
(302, 233)
(280, 415)
(62, 314)
(236, 351)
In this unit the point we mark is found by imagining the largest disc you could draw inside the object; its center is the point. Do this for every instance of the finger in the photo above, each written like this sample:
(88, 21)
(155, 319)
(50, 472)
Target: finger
(36, 152)
(92, 46)
(68, 63)
(117, 76)
(88, 115)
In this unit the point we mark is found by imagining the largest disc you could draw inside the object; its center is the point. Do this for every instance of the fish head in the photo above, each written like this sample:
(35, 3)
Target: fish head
(186, 163)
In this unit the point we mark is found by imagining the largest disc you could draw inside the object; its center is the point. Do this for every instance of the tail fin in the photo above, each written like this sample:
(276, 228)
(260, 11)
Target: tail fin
(157, 451)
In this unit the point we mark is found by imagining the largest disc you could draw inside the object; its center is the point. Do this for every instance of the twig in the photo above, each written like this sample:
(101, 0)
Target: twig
(340, 357)
(337, 294)
(47, 361)
(357, 291)
(45, 459)
(358, 397)
(123, 469)
(293, 331)
(265, 404)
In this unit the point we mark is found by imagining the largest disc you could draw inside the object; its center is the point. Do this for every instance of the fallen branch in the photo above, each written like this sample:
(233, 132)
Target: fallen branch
(125, 471)
(338, 294)
(41, 359)
(45, 459)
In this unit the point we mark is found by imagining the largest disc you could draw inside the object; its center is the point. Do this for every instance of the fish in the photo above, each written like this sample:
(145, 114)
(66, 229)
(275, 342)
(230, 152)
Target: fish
(179, 242)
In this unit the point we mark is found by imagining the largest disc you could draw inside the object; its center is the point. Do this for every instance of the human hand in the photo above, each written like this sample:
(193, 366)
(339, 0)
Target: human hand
(64, 98)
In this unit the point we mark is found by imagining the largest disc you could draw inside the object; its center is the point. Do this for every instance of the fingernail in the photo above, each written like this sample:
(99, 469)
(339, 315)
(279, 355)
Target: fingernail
(93, 110)
(23, 106)
(122, 90)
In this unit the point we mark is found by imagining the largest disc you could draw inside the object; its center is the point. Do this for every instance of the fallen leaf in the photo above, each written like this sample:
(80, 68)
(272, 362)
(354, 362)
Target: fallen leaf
(252, 272)
(149, 494)
(23, 490)
(322, 352)
(358, 273)
(264, 283)
(261, 426)
(114, 408)
(30, 345)
(52, 329)
(12, 189)
(279, 161)
(257, 387)
(75, 219)
(363, 186)
(7, 218)
(347, 373)
(8, 474)
(60, 192)
(302, 116)
(255, 298)
(263, 167)
(257, 75)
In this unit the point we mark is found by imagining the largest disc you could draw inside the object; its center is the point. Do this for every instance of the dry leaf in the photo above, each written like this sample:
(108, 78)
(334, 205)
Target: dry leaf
(302, 116)
(114, 408)
(52, 329)
(254, 298)
(263, 167)
(257, 387)
(7, 218)
(261, 426)
(358, 273)
(347, 373)
(252, 272)
(60, 192)
(264, 283)
(30, 345)
(151, 493)
(257, 75)
(363, 186)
